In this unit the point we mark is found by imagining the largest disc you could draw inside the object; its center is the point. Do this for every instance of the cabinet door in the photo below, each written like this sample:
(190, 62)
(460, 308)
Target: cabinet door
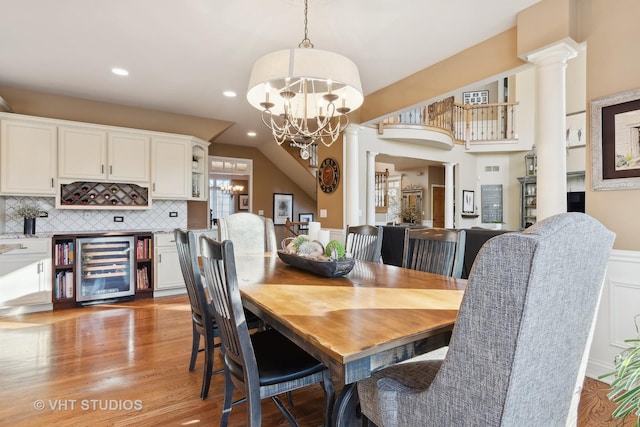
(28, 158)
(168, 272)
(128, 157)
(82, 153)
(171, 160)
(25, 274)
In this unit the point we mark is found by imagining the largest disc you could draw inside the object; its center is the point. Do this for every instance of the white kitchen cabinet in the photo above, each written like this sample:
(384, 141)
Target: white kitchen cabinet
(129, 157)
(168, 274)
(25, 275)
(96, 154)
(28, 152)
(82, 153)
(171, 160)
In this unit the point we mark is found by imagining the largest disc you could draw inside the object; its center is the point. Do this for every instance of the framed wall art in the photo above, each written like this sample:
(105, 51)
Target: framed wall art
(282, 208)
(475, 97)
(243, 202)
(468, 202)
(615, 141)
(305, 217)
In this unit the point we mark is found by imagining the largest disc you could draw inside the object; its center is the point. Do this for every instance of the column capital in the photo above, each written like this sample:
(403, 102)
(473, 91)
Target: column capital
(352, 129)
(559, 52)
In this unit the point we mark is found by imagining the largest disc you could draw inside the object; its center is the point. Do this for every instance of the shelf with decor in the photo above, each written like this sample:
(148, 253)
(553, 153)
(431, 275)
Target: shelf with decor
(529, 195)
(199, 181)
(63, 289)
(144, 265)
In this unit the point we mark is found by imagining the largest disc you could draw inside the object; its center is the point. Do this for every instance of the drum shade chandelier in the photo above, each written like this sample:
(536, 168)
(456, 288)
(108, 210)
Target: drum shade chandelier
(305, 93)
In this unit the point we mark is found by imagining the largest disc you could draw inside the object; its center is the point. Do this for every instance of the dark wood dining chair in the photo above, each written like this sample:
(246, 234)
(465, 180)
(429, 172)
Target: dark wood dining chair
(364, 242)
(261, 365)
(435, 250)
(202, 318)
(521, 340)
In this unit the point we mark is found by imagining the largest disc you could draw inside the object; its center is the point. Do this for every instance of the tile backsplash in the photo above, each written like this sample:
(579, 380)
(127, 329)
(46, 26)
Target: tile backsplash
(83, 220)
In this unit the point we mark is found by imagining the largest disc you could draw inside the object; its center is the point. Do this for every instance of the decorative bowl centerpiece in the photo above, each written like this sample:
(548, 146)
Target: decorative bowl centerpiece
(312, 256)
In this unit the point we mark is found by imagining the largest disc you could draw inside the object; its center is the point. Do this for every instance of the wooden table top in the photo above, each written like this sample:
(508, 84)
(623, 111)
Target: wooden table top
(376, 315)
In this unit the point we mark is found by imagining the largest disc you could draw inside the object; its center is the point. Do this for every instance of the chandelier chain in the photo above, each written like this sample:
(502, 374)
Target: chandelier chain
(305, 41)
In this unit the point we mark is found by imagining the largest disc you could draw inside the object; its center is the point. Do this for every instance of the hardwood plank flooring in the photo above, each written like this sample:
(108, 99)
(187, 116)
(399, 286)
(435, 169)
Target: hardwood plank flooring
(127, 364)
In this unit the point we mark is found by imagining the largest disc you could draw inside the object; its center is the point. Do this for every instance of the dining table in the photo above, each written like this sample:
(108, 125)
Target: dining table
(372, 317)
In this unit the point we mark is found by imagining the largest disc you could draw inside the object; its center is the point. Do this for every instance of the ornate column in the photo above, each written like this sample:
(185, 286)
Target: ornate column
(448, 194)
(371, 187)
(350, 179)
(551, 64)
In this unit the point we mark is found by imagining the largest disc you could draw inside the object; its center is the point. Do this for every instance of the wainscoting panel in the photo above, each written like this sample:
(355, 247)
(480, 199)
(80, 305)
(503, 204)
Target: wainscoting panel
(620, 303)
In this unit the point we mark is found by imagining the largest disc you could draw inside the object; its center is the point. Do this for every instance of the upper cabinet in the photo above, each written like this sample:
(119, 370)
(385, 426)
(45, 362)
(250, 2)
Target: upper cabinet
(88, 166)
(91, 154)
(28, 152)
(170, 179)
(179, 168)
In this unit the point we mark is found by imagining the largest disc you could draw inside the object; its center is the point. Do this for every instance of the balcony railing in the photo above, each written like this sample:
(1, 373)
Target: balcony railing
(466, 122)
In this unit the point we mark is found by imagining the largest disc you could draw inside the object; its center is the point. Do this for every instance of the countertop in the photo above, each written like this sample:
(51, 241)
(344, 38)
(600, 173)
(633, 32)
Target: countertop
(8, 248)
(93, 232)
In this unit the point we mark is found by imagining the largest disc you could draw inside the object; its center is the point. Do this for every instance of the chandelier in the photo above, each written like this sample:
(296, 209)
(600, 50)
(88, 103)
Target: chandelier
(231, 189)
(305, 93)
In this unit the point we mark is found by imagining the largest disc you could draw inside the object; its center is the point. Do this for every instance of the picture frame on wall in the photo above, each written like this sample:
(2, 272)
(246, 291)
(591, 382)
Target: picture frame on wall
(243, 202)
(475, 97)
(282, 208)
(305, 217)
(615, 141)
(468, 202)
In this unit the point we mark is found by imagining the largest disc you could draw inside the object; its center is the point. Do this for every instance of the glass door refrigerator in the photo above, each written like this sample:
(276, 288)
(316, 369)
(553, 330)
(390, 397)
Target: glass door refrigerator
(106, 268)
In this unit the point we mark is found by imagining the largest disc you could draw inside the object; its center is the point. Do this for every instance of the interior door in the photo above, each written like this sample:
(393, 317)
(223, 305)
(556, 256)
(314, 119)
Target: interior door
(437, 202)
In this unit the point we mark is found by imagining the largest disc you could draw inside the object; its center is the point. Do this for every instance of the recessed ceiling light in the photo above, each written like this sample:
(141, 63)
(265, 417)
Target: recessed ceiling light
(120, 71)
(251, 133)
(229, 94)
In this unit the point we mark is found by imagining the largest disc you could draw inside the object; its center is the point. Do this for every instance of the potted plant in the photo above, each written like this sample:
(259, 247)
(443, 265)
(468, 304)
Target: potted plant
(28, 211)
(409, 214)
(625, 388)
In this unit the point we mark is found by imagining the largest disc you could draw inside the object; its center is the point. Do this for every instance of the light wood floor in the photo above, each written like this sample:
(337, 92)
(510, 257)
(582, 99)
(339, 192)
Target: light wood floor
(127, 364)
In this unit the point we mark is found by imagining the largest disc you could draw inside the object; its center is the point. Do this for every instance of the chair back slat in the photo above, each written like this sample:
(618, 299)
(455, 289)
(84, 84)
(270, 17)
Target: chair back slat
(220, 271)
(192, 279)
(435, 250)
(364, 242)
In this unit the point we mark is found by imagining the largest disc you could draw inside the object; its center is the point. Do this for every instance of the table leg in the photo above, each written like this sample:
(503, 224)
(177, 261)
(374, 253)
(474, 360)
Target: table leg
(346, 410)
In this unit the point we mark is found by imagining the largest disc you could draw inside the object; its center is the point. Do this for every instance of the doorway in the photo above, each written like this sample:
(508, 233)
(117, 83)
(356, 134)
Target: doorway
(437, 205)
(230, 186)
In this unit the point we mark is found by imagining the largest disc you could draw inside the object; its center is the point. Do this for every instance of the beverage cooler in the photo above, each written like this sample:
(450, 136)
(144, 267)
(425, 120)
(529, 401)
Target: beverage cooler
(105, 268)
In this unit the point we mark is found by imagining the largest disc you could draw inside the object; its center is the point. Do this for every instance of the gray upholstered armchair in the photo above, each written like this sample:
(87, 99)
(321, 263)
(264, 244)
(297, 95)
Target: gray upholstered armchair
(518, 351)
(249, 232)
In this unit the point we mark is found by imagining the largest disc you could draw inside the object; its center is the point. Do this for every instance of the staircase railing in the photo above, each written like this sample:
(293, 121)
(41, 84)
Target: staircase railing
(466, 122)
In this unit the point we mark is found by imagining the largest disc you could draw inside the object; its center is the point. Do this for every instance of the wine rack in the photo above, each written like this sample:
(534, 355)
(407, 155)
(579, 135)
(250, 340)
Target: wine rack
(103, 194)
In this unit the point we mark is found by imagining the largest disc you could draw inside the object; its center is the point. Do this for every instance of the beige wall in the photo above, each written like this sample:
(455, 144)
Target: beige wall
(332, 202)
(546, 23)
(486, 59)
(611, 31)
(68, 108)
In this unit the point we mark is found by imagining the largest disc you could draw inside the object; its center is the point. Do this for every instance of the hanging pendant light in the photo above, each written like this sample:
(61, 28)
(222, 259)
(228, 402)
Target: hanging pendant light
(305, 93)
